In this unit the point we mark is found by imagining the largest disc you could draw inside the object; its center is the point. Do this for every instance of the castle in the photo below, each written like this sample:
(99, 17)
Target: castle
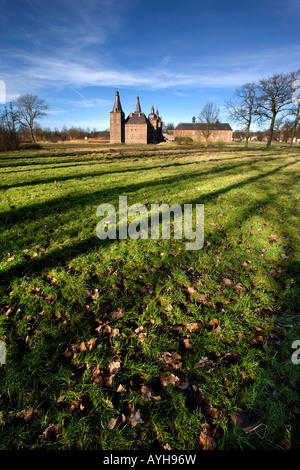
(137, 128)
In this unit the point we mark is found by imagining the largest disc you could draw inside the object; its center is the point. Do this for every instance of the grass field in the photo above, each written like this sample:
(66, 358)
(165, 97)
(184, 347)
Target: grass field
(141, 344)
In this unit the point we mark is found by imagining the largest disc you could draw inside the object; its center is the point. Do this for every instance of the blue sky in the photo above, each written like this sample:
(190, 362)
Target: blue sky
(175, 55)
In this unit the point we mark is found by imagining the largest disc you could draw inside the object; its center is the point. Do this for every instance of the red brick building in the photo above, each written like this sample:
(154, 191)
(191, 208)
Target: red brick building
(137, 128)
(197, 131)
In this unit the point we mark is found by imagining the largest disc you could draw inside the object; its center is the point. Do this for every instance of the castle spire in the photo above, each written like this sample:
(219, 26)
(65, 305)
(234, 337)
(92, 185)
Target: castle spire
(138, 106)
(117, 106)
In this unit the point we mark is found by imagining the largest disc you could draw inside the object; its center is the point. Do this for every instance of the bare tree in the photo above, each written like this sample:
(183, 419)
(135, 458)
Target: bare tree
(9, 139)
(274, 97)
(295, 111)
(242, 109)
(208, 116)
(29, 109)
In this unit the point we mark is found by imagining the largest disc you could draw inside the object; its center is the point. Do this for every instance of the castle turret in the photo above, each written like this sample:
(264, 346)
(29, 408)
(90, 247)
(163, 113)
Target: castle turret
(138, 106)
(117, 119)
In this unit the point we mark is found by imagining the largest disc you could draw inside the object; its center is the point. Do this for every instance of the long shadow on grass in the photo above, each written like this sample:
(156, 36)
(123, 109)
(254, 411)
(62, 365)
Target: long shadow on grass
(121, 154)
(58, 256)
(34, 211)
(57, 178)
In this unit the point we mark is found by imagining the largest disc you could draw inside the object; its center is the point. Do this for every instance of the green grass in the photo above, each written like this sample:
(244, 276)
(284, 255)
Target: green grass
(61, 286)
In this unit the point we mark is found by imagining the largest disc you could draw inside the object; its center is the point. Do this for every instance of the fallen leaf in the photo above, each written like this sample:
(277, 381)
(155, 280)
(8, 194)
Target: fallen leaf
(187, 344)
(135, 418)
(97, 376)
(142, 336)
(201, 363)
(90, 343)
(117, 313)
(192, 326)
(50, 433)
(169, 379)
(114, 367)
(206, 442)
(139, 329)
(27, 415)
(147, 393)
(191, 290)
(111, 423)
(171, 359)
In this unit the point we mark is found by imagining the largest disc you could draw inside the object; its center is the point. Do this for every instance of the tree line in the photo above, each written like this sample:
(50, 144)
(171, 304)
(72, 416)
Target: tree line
(273, 101)
(19, 122)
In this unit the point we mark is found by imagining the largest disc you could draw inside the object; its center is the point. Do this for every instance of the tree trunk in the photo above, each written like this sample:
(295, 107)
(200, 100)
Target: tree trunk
(247, 134)
(295, 125)
(32, 136)
(271, 130)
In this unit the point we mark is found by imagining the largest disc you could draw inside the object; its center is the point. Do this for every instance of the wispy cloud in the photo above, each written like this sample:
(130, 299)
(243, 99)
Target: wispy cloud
(230, 71)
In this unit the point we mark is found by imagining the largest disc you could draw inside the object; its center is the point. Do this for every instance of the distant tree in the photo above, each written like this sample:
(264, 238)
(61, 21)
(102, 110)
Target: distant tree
(241, 110)
(295, 110)
(274, 96)
(29, 108)
(209, 115)
(9, 139)
(286, 131)
(238, 135)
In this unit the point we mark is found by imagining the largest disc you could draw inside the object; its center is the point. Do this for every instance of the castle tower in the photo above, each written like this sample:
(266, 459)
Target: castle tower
(138, 106)
(117, 119)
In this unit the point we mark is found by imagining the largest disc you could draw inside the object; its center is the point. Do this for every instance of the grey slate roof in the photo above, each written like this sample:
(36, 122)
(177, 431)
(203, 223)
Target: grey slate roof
(117, 104)
(136, 118)
(193, 126)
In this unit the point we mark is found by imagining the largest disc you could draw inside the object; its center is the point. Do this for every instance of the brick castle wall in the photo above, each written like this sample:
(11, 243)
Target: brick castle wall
(197, 135)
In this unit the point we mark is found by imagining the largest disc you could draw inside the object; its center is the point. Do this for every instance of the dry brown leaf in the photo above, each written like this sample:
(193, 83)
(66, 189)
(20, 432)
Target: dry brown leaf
(227, 281)
(167, 447)
(192, 326)
(97, 376)
(139, 329)
(147, 393)
(206, 442)
(50, 433)
(90, 343)
(135, 418)
(142, 336)
(191, 290)
(96, 294)
(117, 313)
(114, 367)
(187, 344)
(27, 415)
(201, 363)
(169, 379)
(111, 423)
(171, 359)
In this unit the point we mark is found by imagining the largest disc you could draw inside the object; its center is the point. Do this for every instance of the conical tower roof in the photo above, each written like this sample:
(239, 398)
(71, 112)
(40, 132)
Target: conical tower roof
(117, 105)
(138, 106)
